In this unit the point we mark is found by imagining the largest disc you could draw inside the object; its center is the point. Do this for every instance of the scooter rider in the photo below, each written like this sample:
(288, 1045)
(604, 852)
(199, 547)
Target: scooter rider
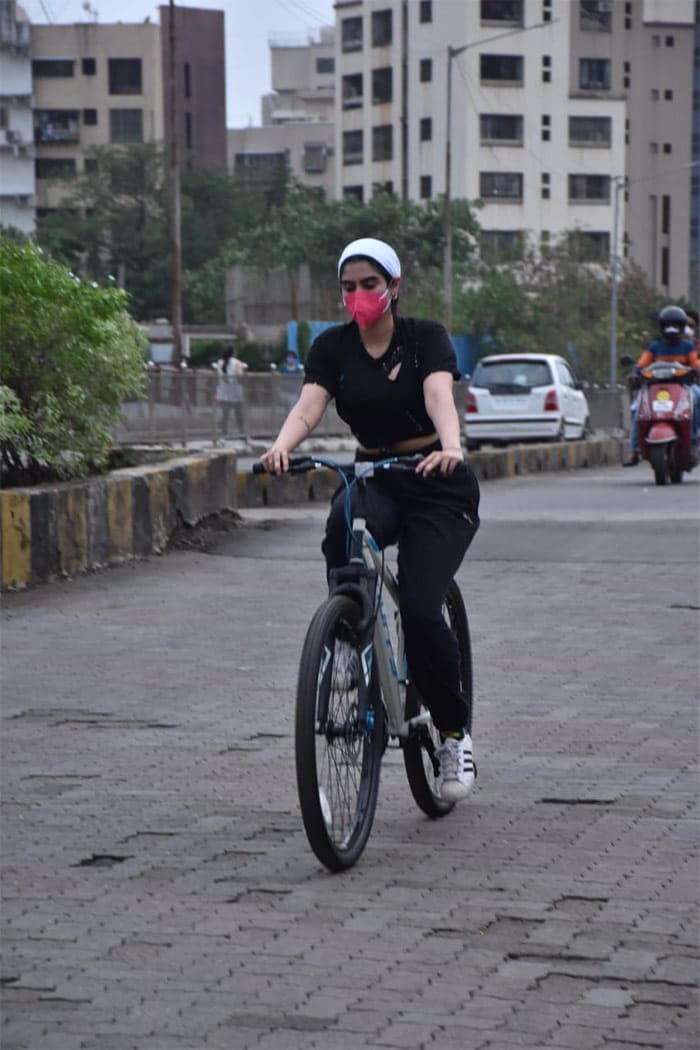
(673, 345)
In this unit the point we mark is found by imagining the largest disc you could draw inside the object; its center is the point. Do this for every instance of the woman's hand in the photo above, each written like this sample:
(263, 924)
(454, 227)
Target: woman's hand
(445, 460)
(276, 459)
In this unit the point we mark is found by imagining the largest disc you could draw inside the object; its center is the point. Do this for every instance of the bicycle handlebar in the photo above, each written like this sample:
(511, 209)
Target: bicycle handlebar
(361, 468)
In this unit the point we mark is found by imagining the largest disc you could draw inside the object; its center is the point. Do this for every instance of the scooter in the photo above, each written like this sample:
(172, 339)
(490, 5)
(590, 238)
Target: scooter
(664, 418)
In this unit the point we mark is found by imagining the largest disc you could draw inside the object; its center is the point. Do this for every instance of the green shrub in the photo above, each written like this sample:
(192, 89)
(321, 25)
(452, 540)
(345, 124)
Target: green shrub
(69, 355)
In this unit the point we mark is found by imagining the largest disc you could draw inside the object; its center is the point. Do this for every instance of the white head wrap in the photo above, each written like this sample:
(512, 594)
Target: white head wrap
(379, 251)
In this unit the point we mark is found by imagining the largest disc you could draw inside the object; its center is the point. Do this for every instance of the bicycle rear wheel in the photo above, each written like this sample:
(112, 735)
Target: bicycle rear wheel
(337, 758)
(418, 749)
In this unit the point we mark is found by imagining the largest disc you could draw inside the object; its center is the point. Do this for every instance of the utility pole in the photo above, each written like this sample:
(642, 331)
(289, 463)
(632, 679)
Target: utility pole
(619, 183)
(452, 52)
(175, 212)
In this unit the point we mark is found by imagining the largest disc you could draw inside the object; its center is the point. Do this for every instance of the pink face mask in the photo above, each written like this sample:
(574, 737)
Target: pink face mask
(366, 307)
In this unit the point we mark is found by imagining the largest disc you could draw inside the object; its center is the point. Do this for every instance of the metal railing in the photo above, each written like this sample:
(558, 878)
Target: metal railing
(180, 407)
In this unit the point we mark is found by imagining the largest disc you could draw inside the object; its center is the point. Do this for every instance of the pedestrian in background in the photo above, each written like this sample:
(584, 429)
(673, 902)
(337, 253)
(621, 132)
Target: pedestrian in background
(229, 390)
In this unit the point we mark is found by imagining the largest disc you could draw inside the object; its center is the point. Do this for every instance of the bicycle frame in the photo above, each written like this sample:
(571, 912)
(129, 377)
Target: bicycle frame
(391, 664)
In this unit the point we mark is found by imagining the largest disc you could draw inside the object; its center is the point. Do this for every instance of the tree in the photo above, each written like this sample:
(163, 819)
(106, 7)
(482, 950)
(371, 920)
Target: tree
(69, 355)
(558, 301)
(113, 222)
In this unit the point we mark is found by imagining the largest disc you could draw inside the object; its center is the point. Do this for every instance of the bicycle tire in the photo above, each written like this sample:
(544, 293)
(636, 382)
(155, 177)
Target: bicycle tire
(419, 770)
(337, 762)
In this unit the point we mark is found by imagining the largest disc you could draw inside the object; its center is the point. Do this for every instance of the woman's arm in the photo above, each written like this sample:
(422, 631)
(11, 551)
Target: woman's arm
(303, 418)
(440, 406)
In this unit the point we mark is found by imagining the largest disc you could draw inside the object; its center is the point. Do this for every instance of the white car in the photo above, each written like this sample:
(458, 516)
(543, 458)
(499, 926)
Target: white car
(524, 397)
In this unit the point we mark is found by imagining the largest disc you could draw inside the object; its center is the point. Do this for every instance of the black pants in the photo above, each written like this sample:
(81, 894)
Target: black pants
(433, 520)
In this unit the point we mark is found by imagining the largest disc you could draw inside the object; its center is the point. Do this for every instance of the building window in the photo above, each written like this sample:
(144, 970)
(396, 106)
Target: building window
(91, 166)
(668, 147)
(665, 214)
(594, 74)
(425, 11)
(668, 96)
(325, 64)
(382, 142)
(188, 131)
(89, 67)
(383, 187)
(382, 85)
(352, 147)
(594, 188)
(587, 246)
(546, 10)
(426, 70)
(670, 41)
(501, 128)
(545, 186)
(546, 69)
(596, 16)
(352, 90)
(502, 69)
(381, 28)
(53, 67)
(426, 187)
(546, 127)
(315, 158)
(126, 125)
(351, 34)
(498, 246)
(125, 76)
(260, 168)
(590, 131)
(90, 117)
(188, 81)
(501, 185)
(665, 267)
(56, 126)
(54, 167)
(426, 129)
(498, 12)
(627, 69)
(354, 193)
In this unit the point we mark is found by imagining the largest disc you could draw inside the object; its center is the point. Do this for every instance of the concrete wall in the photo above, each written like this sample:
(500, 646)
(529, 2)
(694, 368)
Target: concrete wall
(61, 530)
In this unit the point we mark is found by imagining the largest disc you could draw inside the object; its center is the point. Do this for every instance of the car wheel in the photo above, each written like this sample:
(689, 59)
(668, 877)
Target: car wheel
(586, 429)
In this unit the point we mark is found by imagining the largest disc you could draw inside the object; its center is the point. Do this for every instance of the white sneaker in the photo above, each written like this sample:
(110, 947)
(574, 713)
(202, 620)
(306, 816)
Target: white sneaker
(457, 768)
(346, 666)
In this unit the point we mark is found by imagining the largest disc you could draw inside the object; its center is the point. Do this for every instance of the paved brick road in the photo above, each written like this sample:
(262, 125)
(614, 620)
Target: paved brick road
(158, 891)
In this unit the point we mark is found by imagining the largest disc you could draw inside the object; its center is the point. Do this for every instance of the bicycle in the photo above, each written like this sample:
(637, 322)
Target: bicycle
(353, 692)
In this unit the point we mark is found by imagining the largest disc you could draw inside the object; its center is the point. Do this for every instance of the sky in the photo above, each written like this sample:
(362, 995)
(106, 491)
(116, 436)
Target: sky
(250, 24)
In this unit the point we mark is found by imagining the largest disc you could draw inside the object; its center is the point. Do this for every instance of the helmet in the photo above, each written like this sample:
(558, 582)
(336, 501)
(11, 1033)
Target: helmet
(672, 322)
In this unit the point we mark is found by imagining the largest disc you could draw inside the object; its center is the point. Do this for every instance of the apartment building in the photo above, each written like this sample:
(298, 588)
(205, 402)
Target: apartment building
(563, 115)
(17, 204)
(298, 117)
(102, 85)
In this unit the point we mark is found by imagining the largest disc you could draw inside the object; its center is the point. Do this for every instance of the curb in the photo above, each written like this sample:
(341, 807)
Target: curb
(72, 527)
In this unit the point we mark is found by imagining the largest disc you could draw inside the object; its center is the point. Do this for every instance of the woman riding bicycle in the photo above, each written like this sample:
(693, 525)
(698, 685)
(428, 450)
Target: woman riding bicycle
(392, 378)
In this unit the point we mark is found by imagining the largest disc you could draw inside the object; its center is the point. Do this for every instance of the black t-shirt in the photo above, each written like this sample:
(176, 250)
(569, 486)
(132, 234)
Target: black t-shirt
(381, 411)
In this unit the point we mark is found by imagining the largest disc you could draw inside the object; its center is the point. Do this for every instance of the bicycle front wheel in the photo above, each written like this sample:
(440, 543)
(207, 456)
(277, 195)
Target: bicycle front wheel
(338, 753)
(418, 751)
